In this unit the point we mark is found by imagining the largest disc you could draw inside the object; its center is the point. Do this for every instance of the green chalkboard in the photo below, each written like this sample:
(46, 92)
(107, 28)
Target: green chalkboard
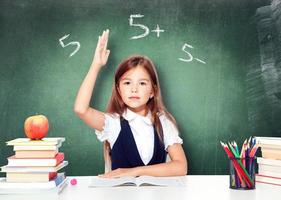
(209, 56)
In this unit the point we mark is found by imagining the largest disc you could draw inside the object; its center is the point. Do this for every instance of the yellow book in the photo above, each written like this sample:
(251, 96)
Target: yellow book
(43, 142)
(36, 154)
(30, 177)
(271, 153)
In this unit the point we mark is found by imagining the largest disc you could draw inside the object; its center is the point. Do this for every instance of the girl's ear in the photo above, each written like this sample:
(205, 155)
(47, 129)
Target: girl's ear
(153, 91)
(152, 94)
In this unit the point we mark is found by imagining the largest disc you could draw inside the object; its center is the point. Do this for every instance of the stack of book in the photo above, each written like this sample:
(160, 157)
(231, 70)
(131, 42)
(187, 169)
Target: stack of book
(269, 165)
(34, 167)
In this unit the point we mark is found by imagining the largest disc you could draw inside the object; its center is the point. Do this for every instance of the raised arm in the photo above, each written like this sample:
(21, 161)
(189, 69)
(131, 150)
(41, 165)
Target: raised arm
(91, 116)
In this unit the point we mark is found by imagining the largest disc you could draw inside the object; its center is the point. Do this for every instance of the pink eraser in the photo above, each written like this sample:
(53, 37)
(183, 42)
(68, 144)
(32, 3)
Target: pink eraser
(73, 181)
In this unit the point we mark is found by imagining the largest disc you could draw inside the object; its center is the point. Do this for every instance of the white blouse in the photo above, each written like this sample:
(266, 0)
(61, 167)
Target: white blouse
(142, 129)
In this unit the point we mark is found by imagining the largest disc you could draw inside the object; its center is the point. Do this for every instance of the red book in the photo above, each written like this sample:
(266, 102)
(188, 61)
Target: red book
(20, 162)
(268, 179)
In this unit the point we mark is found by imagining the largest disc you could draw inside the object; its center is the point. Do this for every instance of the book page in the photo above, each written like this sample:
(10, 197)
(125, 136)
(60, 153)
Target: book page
(176, 181)
(97, 181)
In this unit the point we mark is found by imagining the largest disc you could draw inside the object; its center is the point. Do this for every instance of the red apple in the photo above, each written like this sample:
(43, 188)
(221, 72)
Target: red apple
(36, 127)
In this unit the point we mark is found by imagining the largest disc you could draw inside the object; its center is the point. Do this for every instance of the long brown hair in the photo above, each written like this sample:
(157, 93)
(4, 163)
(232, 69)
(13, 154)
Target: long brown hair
(155, 104)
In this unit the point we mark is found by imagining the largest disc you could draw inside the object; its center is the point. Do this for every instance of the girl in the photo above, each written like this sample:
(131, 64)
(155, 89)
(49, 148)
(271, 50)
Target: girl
(137, 128)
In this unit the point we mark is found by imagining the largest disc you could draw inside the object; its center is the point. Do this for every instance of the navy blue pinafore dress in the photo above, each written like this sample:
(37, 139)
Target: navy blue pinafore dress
(124, 153)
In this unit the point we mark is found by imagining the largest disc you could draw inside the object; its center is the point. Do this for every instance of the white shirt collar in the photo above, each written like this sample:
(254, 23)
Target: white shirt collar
(130, 115)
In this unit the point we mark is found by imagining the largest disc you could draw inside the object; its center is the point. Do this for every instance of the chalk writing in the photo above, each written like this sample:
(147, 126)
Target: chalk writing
(74, 43)
(190, 57)
(157, 30)
(145, 28)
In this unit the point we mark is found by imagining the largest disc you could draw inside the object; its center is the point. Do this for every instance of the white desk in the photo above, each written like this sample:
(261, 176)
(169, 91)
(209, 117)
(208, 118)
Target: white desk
(197, 187)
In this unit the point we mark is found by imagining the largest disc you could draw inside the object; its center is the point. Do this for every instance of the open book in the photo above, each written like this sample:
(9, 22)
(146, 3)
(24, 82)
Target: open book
(177, 181)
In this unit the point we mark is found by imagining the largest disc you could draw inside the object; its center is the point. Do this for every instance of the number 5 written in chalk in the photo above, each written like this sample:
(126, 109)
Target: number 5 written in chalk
(74, 43)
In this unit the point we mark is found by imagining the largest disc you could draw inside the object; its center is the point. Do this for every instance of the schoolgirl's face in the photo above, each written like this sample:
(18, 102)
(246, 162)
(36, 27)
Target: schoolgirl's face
(135, 89)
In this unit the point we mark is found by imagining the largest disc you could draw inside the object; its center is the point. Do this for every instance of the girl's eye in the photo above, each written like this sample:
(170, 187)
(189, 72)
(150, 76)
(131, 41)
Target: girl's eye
(142, 83)
(126, 83)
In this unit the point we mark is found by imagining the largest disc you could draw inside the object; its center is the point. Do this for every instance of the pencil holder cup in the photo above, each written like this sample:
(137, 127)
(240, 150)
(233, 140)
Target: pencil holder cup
(242, 173)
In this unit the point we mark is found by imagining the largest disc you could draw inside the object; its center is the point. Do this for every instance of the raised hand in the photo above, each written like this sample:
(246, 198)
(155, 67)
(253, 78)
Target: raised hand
(101, 52)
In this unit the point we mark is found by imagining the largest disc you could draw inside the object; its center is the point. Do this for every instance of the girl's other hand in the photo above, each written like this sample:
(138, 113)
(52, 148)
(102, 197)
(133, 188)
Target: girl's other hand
(101, 52)
(120, 172)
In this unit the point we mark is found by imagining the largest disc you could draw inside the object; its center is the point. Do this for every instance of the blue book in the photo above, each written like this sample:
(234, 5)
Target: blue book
(54, 186)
